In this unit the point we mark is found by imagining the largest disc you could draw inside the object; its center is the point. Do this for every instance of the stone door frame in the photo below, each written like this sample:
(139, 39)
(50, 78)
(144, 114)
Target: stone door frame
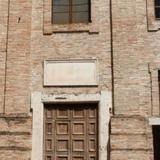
(104, 100)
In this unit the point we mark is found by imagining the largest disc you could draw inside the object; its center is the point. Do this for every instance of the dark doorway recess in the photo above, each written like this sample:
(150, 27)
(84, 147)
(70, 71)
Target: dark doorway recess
(159, 84)
(156, 142)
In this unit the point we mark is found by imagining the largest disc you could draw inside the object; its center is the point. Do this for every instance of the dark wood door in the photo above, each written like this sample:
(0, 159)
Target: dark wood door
(71, 132)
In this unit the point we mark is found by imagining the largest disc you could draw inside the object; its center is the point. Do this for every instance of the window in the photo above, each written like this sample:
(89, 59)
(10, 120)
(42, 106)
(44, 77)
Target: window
(155, 88)
(157, 9)
(153, 15)
(70, 16)
(71, 11)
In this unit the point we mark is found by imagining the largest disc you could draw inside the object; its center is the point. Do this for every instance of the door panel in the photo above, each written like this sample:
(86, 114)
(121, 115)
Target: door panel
(71, 132)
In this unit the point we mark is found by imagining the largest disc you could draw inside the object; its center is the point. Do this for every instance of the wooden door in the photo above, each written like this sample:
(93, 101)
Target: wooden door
(71, 132)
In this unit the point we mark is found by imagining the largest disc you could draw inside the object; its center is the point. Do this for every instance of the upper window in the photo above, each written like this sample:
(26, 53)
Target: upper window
(71, 11)
(157, 9)
(153, 15)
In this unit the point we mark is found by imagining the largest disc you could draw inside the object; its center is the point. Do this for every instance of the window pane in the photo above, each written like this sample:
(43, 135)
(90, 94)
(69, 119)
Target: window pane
(60, 8)
(79, 8)
(77, 2)
(157, 12)
(60, 2)
(78, 11)
(157, 2)
(80, 17)
(60, 18)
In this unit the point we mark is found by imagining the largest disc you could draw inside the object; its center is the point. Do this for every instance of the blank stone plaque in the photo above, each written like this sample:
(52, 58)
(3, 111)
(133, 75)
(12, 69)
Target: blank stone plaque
(70, 73)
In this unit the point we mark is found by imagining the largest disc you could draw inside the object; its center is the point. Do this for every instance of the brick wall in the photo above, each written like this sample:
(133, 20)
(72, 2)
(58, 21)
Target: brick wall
(70, 45)
(24, 47)
(134, 48)
(15, 121)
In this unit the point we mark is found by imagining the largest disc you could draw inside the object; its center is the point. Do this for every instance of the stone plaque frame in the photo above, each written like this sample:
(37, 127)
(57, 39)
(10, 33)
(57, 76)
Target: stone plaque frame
(91, 81)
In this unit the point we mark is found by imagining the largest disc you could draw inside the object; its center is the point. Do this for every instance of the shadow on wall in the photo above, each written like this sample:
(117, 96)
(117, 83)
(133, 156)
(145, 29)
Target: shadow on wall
(108, 145)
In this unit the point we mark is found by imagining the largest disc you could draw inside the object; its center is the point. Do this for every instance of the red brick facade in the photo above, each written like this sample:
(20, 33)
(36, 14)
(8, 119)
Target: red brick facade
(123, 36)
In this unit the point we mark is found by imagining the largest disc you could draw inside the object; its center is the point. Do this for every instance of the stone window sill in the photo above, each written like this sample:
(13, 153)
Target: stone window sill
(89, 27)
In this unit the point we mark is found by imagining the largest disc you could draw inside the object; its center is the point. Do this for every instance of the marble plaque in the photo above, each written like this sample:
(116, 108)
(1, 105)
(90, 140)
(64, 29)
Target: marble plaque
(70, 73)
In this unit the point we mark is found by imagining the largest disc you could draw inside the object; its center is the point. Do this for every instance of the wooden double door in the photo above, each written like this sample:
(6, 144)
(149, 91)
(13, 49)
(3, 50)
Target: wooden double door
(71, 132)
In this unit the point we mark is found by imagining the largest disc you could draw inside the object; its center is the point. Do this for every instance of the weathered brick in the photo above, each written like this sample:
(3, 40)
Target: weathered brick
(19, 141)
(128, 125)
(126, 142)
(130, 155)
(12, 154)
